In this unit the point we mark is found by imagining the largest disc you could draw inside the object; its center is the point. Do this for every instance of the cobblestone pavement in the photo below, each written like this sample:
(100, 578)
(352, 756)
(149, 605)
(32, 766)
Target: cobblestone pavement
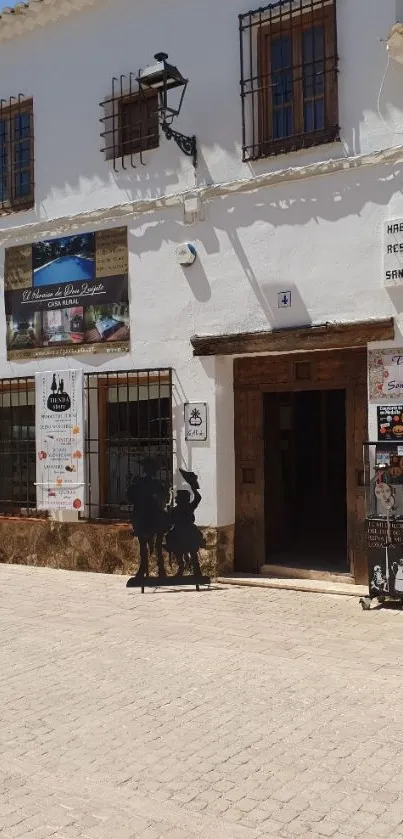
(232, 714)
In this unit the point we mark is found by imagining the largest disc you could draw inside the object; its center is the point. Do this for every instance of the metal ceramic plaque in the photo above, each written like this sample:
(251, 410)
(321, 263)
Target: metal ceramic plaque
(195, 422)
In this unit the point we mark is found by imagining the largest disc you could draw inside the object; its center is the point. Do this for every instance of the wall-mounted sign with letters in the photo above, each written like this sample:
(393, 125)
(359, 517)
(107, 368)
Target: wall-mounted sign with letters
(393, 253)
(196, 422)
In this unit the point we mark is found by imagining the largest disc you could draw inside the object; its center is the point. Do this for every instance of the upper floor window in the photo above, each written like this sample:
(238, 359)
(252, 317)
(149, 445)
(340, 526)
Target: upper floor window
(130, 123)
(138, 123)
(16, 155)
(288, 77)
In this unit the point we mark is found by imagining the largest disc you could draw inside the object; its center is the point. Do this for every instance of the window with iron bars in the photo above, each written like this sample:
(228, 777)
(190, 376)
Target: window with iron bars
(288, 77)
(130, 123)
(128, 417)
(16, 154)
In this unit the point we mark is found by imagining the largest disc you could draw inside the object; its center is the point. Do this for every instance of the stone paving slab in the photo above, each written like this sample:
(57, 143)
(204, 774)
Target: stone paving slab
(234, 713)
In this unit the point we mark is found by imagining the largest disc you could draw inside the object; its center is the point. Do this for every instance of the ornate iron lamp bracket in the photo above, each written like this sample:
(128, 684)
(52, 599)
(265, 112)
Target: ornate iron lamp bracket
(186, 144)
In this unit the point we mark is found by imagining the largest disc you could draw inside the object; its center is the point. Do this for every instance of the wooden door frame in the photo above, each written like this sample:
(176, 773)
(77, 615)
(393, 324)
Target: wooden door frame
(250, 529)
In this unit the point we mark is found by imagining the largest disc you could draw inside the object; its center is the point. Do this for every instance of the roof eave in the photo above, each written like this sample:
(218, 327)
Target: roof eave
(25, 17)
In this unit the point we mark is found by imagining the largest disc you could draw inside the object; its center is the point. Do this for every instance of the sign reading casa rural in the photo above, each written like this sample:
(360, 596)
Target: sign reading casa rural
(68, 296)
(59, 436)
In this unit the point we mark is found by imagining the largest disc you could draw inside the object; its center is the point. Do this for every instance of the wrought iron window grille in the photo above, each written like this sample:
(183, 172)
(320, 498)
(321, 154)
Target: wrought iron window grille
(16, 154)
(288, 55)
(130, 123)
(128, 417)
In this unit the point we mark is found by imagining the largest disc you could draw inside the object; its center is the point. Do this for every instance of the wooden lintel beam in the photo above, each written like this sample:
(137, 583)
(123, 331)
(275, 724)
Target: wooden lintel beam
(329, 336)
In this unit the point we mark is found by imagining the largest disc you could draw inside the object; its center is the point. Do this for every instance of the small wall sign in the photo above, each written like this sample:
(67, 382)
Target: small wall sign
(284, 299)
(196, 421)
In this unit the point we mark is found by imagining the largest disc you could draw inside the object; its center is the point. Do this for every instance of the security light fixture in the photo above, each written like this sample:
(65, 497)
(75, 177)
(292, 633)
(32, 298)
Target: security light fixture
(163, 77)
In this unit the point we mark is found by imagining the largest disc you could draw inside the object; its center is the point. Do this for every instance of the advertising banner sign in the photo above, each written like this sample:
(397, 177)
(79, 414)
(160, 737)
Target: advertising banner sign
(390, 422)
(68, 296)
(59, 413)
(385, 374)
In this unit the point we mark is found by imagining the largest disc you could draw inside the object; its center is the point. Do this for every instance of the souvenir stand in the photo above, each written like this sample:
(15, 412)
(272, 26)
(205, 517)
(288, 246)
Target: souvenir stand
(383, 476)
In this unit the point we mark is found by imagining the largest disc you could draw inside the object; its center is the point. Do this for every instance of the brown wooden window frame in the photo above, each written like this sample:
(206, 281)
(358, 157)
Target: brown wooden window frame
(14, 202)
(147, 122)
(257, 34)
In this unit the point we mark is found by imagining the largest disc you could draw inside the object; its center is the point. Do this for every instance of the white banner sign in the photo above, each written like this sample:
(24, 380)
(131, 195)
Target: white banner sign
(59, 440)
(385, 374)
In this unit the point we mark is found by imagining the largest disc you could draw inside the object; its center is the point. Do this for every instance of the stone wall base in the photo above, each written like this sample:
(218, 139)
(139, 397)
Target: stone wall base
(103, 548)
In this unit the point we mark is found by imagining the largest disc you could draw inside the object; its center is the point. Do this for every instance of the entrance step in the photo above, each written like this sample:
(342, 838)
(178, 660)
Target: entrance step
(297, 573)
(314, 586)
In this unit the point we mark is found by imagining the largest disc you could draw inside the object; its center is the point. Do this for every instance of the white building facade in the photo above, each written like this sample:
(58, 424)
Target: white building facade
(297, 180)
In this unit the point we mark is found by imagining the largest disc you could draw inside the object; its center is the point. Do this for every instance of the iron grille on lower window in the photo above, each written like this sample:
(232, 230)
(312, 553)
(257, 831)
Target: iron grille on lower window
(288, 77)
(130, 123)
(16, 154)
(17, 446)
(128, 417)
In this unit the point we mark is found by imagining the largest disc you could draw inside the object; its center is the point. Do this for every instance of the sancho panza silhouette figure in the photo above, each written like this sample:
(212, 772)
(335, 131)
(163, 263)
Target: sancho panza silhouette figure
(150, 520)
(184, 539)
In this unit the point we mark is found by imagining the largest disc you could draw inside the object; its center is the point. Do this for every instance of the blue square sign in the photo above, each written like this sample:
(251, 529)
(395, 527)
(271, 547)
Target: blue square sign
(284, 299)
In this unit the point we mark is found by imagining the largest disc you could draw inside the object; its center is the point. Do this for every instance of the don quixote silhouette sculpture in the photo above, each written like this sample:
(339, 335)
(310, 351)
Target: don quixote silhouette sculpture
(161, 528)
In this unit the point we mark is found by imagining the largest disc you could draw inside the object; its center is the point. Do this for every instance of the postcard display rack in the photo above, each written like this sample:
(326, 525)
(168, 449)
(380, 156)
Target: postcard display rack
(383, 477)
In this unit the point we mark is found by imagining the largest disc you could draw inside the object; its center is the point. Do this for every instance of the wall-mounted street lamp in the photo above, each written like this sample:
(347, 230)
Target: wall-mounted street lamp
(162, 77)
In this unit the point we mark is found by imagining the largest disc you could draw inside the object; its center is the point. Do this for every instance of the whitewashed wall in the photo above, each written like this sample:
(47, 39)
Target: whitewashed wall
(319, 237)
(68, 67)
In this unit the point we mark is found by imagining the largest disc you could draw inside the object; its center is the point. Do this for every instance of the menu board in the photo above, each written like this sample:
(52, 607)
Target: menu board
(59, 432)
(377, 533)
(67, 296)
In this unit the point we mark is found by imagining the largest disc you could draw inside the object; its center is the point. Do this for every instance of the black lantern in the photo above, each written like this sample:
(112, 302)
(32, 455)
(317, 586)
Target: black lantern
(162, 78)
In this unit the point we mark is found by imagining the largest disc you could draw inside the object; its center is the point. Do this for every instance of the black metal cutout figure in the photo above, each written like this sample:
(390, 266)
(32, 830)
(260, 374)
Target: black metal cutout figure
(152, 522)
(150, 519)
(184, 539)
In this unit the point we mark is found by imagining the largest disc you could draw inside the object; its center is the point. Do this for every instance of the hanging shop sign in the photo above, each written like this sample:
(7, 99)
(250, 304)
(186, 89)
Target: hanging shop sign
(59, 434)
(196, 422)
(390, 422)
(393, 252)
(68, 296)
(385, 374)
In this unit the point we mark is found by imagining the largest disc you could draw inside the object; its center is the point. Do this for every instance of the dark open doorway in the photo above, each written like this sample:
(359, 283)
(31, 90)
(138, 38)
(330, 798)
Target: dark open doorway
(305, 479)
